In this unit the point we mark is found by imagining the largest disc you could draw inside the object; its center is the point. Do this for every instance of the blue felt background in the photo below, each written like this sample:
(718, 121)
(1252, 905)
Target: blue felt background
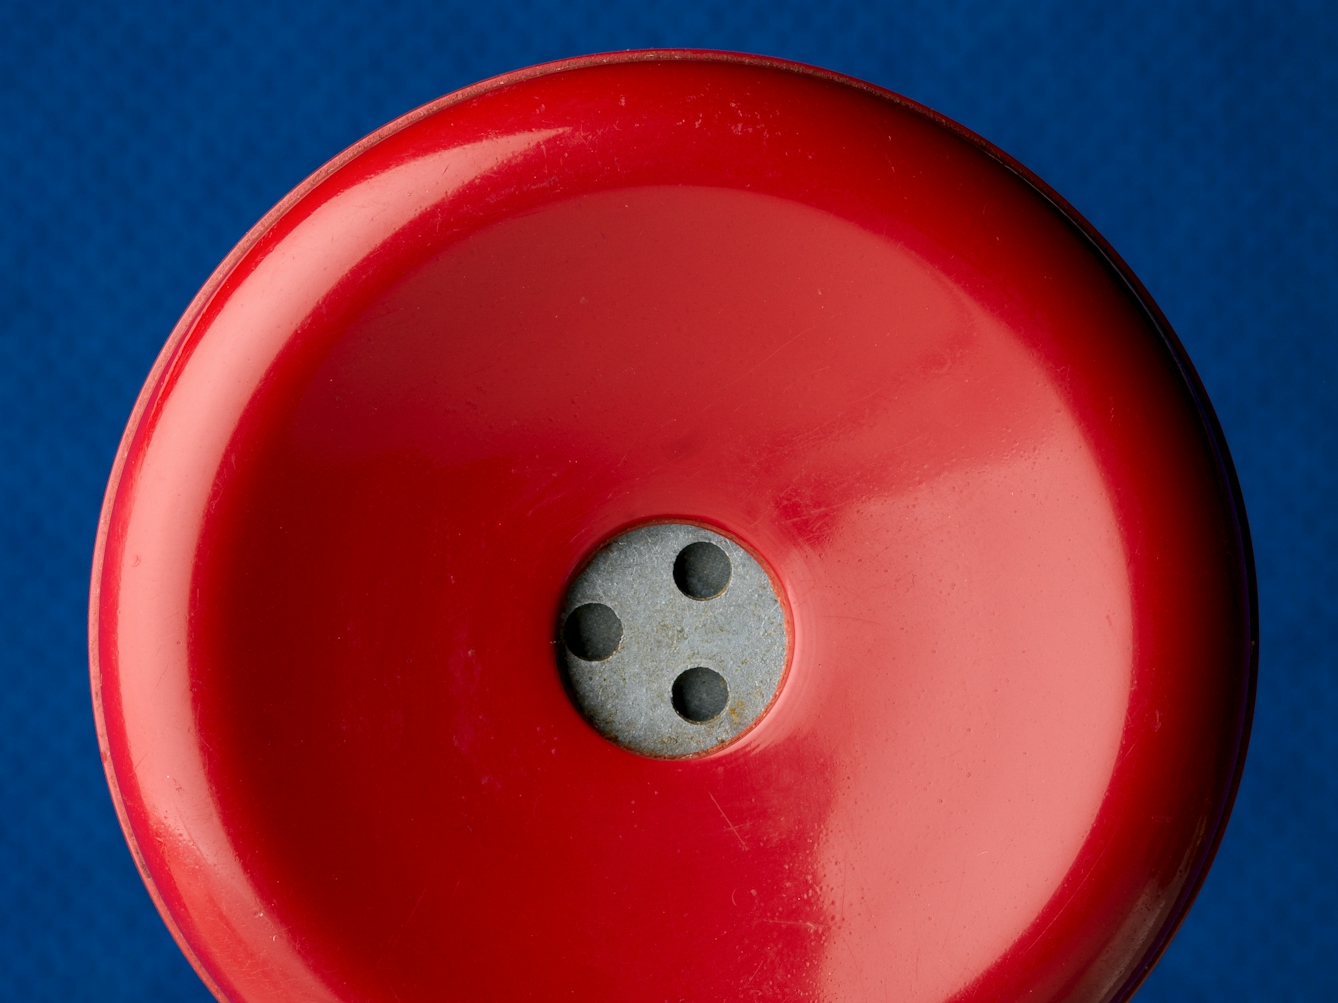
(141, 140)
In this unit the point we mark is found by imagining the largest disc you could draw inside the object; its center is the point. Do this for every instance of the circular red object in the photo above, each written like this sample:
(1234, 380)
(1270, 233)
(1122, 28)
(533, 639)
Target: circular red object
(702, 288)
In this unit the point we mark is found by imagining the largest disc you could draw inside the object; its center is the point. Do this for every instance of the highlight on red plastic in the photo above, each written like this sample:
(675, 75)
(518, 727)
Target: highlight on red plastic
(706, 289)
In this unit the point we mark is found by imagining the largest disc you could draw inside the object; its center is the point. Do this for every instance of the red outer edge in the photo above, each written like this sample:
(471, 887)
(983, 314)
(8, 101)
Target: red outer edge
(1226, 470)
(1136, 289)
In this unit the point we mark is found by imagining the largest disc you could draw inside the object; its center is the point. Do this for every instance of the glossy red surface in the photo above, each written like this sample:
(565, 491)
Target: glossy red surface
(695, 287)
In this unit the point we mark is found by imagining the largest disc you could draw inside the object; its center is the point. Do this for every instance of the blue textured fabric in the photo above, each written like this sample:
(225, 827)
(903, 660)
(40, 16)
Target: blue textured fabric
(141, 140)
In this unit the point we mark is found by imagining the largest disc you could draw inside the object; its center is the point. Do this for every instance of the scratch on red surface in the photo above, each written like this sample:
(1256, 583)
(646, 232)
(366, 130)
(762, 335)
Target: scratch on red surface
(727, 821)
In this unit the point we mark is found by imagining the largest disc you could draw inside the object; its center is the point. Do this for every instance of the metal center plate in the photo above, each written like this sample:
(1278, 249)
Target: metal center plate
(738, 634)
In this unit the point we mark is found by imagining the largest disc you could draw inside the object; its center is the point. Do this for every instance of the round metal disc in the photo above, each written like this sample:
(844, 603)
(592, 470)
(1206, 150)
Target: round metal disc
(737, 632)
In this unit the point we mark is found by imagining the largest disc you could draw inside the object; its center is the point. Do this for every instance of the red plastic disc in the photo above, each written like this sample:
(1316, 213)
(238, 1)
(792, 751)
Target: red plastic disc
(708, 289)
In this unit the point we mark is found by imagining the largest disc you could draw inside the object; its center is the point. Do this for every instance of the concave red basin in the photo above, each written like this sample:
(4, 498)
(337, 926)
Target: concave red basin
(704, 288)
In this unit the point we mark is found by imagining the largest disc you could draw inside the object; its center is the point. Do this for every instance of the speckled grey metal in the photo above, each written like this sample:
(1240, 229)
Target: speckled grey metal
(740, 634)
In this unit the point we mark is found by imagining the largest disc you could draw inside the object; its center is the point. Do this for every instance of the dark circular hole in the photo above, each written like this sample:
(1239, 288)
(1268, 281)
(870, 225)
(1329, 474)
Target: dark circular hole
(701, 570)
(699, 694)
(592, 632)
